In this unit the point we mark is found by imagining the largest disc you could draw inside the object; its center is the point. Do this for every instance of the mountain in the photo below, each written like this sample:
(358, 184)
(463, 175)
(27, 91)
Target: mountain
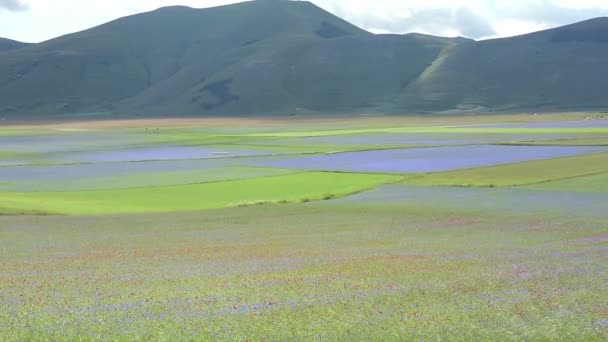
(290, 57)
(562, 68)
(8, 44)
(248, 58)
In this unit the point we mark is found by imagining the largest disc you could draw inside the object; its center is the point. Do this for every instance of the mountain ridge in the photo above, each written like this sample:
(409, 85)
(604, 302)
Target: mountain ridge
(291, 57)
(9, 44)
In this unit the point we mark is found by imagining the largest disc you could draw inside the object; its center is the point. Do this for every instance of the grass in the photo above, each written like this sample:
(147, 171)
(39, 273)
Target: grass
(8, 154)
(302, 272)
(147, 179)
(594, 183)
(248, 141)
(292, 188)
(13, 154)
(436, 129)
(10, 131)
(519, 174)
(191, 137)
(19, 212)
(146, 259)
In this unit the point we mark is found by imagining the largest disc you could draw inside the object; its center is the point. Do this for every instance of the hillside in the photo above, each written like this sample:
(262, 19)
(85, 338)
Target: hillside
(249, 58)
(562, 68)
(9, 44)
(283, 57)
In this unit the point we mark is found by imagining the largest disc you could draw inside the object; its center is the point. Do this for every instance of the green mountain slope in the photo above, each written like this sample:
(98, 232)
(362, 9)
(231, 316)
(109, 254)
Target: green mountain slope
(286, 57)
(309, 74)
(563, 68)
(249, 58)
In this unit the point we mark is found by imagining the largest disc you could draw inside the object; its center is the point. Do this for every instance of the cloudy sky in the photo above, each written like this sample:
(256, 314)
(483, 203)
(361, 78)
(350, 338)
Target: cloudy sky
(38, 20)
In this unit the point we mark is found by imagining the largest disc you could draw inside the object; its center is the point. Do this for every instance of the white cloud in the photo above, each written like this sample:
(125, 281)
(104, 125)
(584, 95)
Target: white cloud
(474, 18)
(47, 19)
(12, 5)
(513, 27)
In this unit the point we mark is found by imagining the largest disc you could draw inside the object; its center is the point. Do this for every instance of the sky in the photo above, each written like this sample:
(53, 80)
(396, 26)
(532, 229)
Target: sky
(39, 20)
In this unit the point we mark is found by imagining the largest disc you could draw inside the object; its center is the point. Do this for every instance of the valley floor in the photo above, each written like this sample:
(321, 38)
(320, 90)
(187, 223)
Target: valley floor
(308, 231)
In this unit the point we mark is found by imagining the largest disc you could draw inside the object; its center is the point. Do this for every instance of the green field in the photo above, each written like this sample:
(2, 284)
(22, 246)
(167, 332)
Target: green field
(301, 187)
(519, 174)
(435, 129)
(148, 179)
(226, 249)
(592, 183)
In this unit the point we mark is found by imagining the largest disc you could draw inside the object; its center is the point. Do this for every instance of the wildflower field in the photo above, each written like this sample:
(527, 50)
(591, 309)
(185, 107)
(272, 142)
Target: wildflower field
(306, 230)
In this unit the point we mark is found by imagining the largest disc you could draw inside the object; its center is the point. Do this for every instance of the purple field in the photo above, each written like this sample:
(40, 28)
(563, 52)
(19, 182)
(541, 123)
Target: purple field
(514, 201)
(67, 142)
(79, 171)
(427, 159)
(154, 153)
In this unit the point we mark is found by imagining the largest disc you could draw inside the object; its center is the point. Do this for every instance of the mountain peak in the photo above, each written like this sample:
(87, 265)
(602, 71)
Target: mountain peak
(438, 39)
(174, 8)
